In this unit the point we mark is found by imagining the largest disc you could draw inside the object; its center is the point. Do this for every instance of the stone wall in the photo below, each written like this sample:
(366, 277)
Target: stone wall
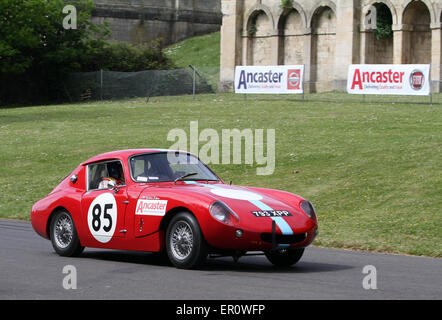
(141, 21)
(327, 36)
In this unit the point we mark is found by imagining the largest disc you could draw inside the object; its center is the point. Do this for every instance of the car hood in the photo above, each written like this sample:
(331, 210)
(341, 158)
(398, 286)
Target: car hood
(255, 206)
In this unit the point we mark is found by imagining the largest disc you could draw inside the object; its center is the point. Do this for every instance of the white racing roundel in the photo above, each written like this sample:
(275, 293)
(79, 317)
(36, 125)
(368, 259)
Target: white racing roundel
(102, 217)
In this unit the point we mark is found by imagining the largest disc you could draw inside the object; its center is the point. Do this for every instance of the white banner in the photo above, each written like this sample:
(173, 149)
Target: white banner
(399, 79)
(269, 79)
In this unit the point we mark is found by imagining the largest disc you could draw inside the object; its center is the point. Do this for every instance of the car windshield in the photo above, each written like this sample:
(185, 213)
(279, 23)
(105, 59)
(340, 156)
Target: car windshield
(169, 166)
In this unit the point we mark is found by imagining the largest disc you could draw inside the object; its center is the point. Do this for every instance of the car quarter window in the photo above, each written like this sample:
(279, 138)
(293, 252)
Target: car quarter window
(101, 173)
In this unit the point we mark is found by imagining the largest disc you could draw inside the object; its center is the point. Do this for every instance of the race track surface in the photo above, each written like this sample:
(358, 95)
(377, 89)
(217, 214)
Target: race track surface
(30, 269)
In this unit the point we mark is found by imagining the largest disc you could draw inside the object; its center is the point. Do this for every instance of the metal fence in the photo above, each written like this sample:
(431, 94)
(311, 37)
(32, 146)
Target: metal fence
(192, 81)
(110, 85)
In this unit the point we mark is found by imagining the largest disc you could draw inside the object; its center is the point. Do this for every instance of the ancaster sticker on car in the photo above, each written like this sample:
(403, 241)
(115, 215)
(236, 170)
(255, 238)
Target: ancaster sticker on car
(151, 207)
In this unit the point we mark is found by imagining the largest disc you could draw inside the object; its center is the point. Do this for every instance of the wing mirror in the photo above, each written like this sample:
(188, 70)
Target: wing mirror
(114, 186)
(74, 179)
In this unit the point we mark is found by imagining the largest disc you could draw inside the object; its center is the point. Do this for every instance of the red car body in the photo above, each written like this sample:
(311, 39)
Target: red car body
(266, 217)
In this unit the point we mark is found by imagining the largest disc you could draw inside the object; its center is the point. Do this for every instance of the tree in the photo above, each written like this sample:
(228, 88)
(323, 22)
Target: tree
(33, 37)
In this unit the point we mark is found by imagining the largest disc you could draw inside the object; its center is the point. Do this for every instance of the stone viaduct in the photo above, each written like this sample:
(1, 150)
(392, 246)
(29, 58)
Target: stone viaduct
(141, 21)
(328, 35)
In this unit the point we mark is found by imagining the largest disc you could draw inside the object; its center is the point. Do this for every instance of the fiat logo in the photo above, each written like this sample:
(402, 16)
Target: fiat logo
(417, 80)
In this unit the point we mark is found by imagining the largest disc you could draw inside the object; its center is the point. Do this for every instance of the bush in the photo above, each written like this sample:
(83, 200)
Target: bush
(125, 57)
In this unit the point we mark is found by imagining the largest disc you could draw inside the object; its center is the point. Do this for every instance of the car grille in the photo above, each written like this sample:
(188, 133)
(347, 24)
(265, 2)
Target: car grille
(283, 239)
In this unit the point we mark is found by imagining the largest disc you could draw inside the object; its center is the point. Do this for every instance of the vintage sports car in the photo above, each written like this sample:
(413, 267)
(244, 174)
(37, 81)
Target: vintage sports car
(168, 201)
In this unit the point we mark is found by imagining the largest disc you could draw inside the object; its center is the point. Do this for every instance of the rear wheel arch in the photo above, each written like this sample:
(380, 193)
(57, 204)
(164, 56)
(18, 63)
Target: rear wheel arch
(51, 216)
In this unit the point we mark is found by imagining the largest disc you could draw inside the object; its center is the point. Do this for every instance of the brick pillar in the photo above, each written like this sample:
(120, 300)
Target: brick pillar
(231, 42)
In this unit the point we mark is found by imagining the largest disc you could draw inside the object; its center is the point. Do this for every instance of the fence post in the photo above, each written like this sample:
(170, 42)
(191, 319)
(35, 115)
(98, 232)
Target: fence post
(194, 81)
(101, 84)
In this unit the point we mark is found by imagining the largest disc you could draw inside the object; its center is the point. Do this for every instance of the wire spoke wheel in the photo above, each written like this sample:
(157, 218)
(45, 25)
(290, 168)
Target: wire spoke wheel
(63, 231)
(185, 244)
(64, 235)
(181, 241)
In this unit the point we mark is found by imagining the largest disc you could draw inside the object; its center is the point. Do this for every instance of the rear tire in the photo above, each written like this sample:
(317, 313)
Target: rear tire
(185, 244)
(284, 258)
(64, 235)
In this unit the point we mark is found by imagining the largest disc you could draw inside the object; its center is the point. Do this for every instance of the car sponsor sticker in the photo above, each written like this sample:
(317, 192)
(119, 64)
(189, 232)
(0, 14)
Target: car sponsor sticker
(151, 207)
(102, 217)
(271, 213)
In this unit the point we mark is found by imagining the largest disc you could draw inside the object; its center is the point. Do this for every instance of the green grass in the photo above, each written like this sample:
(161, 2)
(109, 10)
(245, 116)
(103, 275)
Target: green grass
(203, 51)
(372, 170)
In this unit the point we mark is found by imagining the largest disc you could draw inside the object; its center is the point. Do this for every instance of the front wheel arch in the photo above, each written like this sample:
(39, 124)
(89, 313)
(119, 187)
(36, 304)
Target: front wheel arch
(173, 212)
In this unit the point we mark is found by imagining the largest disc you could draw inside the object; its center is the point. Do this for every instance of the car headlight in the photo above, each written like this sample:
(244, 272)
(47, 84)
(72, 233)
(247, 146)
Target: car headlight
(308, 208)
(221, 212)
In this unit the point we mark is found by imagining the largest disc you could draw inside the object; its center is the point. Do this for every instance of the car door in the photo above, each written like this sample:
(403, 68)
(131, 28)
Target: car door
(103, 209)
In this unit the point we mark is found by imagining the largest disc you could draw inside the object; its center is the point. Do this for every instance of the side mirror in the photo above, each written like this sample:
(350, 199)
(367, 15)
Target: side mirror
(74, 179)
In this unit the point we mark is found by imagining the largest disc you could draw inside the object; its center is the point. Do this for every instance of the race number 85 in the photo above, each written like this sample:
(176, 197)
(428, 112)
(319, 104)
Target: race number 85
(102, 217)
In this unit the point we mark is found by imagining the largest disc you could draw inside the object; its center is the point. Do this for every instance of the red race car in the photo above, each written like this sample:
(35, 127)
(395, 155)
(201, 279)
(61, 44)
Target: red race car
(170, 202)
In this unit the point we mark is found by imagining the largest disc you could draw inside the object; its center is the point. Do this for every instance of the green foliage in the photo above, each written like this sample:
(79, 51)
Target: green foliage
(384, 23)
(33, 38)
(286, 4)
(253, 29)
(37, 52)
(126, 57)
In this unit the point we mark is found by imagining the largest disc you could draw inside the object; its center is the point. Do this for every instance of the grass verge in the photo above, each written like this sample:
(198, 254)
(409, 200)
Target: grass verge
(372, 170)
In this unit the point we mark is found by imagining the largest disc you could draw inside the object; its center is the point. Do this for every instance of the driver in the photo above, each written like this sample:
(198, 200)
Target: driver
(115, 175)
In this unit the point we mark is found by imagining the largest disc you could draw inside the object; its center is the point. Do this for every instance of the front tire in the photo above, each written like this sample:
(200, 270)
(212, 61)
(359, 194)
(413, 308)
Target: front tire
(64, 235)
(185, 244)
(284, 258)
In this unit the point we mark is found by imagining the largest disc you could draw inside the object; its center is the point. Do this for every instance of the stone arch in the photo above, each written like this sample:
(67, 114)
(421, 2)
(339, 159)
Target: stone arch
(427, 3)
(322, 4)
(256, 10)
(379, 43)
(416, 28)
(283, 12)
(385, 2)
(291, 31)
(323, 48)
(259, 31)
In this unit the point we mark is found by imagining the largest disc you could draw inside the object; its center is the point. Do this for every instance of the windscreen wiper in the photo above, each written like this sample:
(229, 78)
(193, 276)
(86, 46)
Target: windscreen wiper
(185, 176)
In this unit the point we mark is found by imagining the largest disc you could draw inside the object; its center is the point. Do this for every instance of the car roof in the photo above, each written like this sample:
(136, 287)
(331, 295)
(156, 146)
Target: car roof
(125, 154)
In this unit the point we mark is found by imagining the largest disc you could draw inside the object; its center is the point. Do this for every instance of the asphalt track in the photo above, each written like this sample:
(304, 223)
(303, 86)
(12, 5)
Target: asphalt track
(30, 269)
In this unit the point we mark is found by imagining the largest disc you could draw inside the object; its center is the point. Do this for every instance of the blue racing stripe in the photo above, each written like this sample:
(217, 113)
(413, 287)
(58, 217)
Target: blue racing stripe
(280, 222)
